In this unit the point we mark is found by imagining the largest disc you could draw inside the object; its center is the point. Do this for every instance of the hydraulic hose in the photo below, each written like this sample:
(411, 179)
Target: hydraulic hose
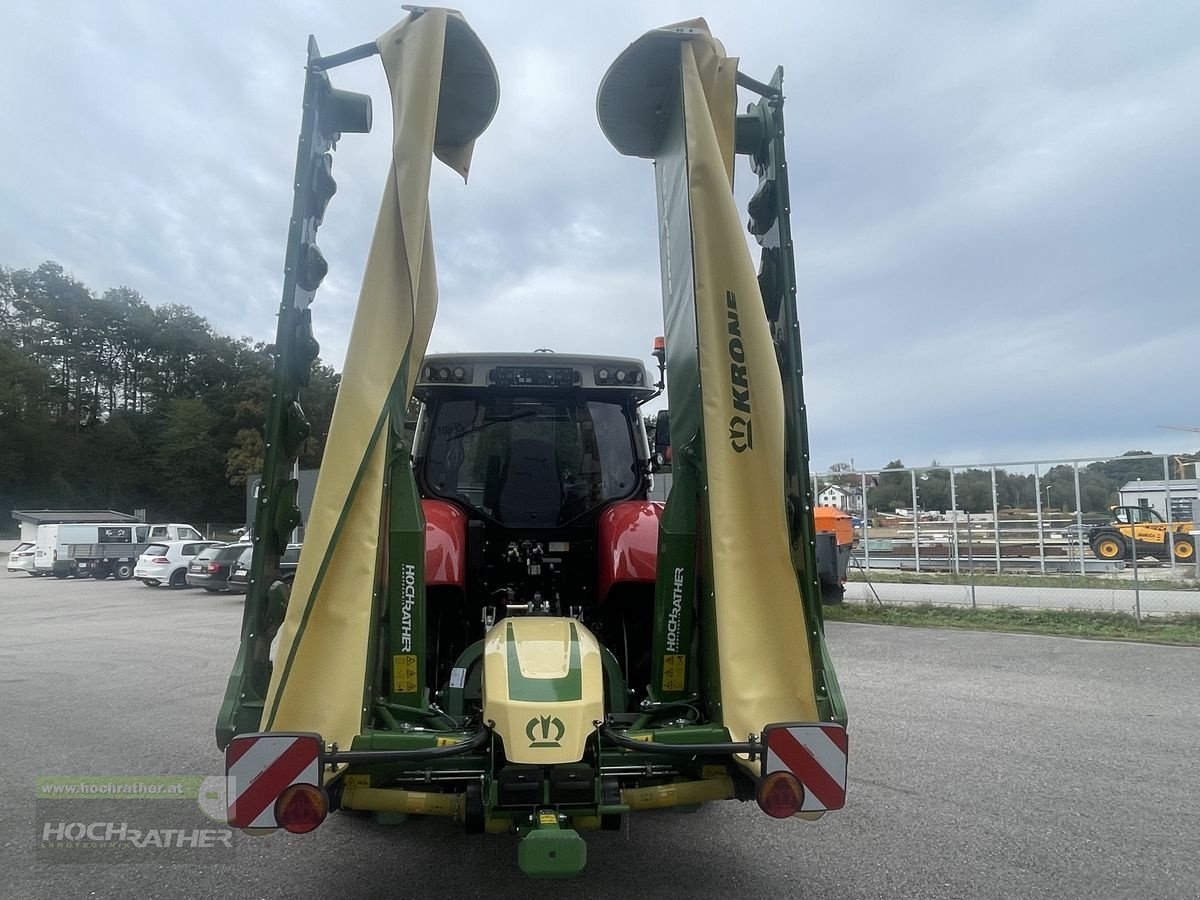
(610, 734)
(335, 757)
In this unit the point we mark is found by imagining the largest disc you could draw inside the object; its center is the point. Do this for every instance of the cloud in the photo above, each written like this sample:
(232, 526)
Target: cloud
(995, 205)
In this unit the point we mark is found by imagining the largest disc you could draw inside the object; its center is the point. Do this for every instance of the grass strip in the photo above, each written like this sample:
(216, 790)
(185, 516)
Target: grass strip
(1120, 583)
(1176, 629)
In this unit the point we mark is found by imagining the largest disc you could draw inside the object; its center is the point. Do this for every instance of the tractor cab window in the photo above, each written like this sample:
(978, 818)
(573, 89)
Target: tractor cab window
(533, 462)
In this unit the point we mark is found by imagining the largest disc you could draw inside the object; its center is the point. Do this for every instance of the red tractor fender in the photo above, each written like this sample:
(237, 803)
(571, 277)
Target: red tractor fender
(445, 544)
(627, 544)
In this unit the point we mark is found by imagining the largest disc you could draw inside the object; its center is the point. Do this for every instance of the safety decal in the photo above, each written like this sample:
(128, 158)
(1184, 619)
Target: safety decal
(259, 767)
(816, 755)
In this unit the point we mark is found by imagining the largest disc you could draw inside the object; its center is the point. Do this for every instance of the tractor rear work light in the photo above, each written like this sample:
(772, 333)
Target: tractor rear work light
(780, 795)
(444, 374)
(301, 808)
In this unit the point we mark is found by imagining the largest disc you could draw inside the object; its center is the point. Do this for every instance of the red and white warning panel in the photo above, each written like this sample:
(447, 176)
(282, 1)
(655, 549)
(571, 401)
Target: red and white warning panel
(260, 767)
(815, 755)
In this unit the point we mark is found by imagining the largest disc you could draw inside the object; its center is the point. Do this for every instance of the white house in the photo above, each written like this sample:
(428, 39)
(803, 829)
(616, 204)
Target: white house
(1153, 494)
(843, 498)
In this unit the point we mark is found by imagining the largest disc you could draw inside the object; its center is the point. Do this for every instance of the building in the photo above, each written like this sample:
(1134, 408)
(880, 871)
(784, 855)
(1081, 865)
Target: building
(1183, 492)
(30, 519)
(308, 488)
(847, 499)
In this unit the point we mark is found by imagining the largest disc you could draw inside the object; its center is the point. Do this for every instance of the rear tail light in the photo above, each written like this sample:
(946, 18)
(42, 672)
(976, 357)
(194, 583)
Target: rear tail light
(161, 560)
(780, 795)
(214, 567)
(301, 808)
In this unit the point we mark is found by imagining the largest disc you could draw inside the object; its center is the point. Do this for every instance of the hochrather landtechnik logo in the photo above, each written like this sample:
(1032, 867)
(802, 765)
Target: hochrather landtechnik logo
(131, 818)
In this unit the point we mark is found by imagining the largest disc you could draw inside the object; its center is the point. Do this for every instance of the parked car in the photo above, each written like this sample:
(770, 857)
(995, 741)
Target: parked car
(239, 581)
(212, 567)
(239, 578)
(21, 559)
(167, 562)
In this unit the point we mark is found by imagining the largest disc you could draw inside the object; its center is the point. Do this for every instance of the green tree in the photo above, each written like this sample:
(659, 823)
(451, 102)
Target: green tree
(894, 490)
(973, 490)
(189, 463)
(245, 457)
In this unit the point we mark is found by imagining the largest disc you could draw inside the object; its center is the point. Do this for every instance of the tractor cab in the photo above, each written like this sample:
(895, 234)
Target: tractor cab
(531, 442)
(533, 471)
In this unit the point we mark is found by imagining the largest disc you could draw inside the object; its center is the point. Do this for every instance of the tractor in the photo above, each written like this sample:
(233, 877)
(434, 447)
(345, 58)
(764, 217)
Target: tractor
(490, 621)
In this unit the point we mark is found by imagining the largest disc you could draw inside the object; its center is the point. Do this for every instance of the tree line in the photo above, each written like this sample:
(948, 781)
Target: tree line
(107, 401)
(110, 402)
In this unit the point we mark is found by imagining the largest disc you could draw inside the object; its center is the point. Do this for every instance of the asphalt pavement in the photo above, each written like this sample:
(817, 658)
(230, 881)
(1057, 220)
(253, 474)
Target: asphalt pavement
(982, 765)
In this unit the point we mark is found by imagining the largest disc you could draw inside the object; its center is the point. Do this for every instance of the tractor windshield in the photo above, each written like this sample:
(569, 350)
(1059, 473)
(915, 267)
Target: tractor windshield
(531, 462)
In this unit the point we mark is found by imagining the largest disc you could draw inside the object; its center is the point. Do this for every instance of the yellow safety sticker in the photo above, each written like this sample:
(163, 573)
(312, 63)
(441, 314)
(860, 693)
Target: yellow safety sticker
(357, 781)
(547, 819)
(404, 674)
(446, 742)
(674, 666)
(649, 736)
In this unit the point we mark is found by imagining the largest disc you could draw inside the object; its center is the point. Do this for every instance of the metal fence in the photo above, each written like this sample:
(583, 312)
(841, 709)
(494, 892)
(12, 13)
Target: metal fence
(1018, 534)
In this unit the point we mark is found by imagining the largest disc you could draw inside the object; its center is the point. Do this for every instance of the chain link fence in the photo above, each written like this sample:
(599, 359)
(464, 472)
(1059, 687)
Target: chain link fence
(1105, 534)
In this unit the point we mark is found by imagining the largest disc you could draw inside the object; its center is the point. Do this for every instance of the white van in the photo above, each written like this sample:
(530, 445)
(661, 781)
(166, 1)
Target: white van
(45, 549)
(104, 549)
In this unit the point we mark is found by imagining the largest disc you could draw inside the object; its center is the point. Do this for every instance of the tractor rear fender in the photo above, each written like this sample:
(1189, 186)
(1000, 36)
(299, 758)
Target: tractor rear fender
(445, 544)
(627, 544)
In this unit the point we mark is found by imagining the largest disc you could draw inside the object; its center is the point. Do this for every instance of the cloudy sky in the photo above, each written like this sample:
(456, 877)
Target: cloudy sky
(996, 205)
